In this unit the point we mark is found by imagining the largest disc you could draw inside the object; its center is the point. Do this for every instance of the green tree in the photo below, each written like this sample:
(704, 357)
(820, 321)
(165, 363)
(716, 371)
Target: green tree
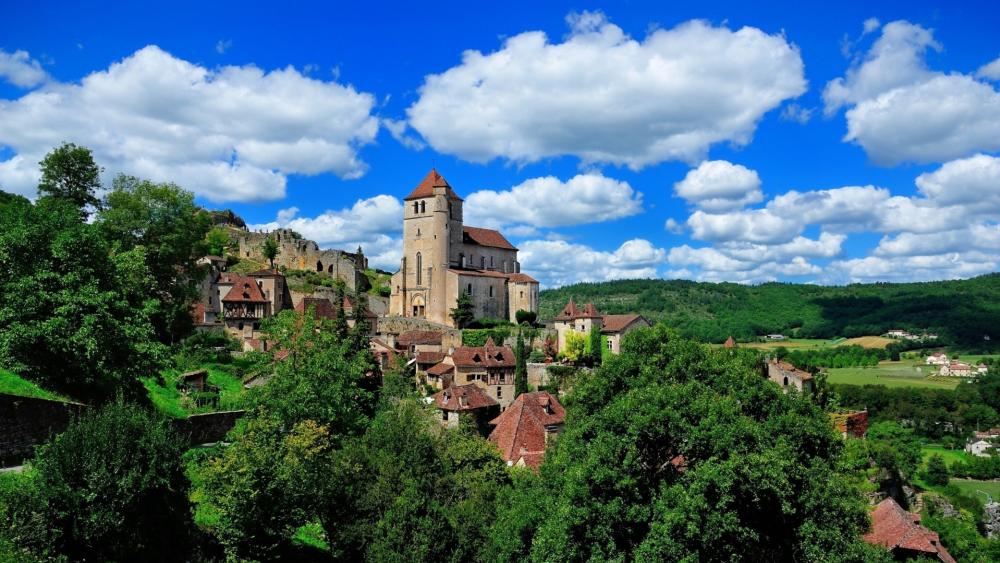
(464, 312)
(70, 173)
(937, 471)
(73, 316)
(111, 487)
(528, 317)
(217, 241)
(594, 346)
(270, 249)
(165, 222)
(520, 366)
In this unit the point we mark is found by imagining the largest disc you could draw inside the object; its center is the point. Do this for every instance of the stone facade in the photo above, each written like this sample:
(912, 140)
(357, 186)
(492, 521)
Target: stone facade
(442, 259)
(583, 319)
(296, 253)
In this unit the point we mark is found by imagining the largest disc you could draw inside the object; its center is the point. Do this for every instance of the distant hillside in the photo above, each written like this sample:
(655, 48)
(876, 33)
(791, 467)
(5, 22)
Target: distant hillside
(961, 311)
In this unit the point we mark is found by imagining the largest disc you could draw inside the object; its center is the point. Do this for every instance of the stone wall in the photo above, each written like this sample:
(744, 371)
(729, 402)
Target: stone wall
(27, 422)
(301, 254)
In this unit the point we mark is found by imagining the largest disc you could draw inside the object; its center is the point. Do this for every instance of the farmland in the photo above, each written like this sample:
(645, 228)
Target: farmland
(892, 374)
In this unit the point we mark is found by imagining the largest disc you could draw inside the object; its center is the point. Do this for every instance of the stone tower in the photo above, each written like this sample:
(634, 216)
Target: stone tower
(432, 232)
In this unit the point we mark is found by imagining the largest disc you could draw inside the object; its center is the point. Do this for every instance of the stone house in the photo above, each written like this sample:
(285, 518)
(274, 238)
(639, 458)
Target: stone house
(324, 309)
(526, 427)
(491, 367)
(412, 342)
(582, 320)
(443, 259)
(937, 359)
(467, 399)
(979, 448)
(785, 374)
(957, 369)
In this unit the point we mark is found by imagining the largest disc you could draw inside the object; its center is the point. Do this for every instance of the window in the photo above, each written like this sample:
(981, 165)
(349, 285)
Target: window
(319, 266)
(491, 291)
(418, 232)
(420, 268)
(499, 392)
(522, 295)
(491, 261)
(461, 259)
(470, 289)
(423, 207)
(610, 346)
(444, 414)
(786, 381)
(482, 263)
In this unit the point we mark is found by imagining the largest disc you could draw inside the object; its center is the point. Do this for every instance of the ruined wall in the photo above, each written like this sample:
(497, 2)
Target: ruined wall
(301, 254)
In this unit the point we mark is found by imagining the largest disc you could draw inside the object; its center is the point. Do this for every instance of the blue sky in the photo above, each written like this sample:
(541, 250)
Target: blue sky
(722, 142)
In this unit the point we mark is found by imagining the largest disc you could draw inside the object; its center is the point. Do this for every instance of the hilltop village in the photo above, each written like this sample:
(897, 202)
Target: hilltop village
(275, 397)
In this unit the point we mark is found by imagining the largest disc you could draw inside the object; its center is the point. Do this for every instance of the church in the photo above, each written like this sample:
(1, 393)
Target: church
(442, 259)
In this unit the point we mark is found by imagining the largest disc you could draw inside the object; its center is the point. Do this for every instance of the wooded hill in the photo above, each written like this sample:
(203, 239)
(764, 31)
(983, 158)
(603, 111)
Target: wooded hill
(961, 312)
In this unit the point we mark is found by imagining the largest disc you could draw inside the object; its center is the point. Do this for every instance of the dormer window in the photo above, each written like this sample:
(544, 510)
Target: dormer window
(476, 358)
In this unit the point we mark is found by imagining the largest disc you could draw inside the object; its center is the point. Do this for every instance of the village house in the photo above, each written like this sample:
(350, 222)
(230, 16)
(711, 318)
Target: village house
(444, 259)
(491, 367)
(957, 369)
(937, 359)
(979, 448)
(467, 399)
(785, 374)
(524, 430)
(323, 309)
(775, 337)
(987, 434)
(582, 320)
(729, 343)
(899, 532)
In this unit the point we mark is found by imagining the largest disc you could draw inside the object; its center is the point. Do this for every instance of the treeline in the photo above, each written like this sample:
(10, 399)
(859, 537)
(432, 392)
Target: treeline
(836, 357)
(961, 312)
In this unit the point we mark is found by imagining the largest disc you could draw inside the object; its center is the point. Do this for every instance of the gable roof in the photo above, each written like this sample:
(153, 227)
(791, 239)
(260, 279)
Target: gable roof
(463, 398)
(788, 369)
(245, 290)
(571, 312)
(894, 528)
(730, 343)
(618, 323)
(485, 237)
(429, 357)
(414, 337)
(441, 369)
(520, 430)
(487, 356)
(426, 187)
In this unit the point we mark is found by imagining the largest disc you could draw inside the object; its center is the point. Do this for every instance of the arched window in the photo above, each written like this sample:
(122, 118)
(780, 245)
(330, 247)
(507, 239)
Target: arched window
(416, 207)
(461, 259)
(319, 266)
(420, 268)
(491, 291)
(470, 289)
(423, 207)
(491, 261)
(330, 269)
(482, 262)
(786, 381)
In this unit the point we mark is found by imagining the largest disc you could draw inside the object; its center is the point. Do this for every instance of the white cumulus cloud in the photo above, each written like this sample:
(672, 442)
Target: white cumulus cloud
(228, 134)
(550, 202)
(605, 97)
(21, 70)
(558, 262)
(719, 185)
(902, 111)
(990, 70)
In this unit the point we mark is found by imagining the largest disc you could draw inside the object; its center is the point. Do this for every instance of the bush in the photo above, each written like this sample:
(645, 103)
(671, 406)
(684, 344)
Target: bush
(523, 316)
(536, 356)
(478, 336)
(111, 487)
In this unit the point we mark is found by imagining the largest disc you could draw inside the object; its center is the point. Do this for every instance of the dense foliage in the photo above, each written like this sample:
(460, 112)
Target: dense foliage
(960, 311)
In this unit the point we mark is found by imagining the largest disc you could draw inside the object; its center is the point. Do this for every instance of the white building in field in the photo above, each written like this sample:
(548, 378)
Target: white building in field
(939, 359)
(979, 448)
(957, 369)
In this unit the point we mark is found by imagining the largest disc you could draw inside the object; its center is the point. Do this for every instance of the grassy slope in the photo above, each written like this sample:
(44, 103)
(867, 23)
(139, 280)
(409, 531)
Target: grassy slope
(961, 310)
(168, 399)
(891, 374)
(14, 384)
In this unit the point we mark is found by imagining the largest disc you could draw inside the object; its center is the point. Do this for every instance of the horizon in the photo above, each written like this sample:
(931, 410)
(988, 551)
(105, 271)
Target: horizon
(721, 143)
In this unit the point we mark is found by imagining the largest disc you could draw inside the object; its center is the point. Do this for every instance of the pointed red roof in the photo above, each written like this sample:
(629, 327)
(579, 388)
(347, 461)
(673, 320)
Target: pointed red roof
(730, 343)
(570, 312)
(898, 531)
(244, 289)
(426, 187)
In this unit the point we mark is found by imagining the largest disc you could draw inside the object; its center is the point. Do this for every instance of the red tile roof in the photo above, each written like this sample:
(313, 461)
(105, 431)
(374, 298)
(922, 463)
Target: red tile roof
(571, 312)
(441, 369)
(426, 187)
(521, 278)
(789, 369)
(429, 357)
(245, 290)
(896, 529)
(463, 398)
(268, 273)
(488, 356)
(730, 343)
(618, 323)
(414, 337)
(521, 429)
(486, 237)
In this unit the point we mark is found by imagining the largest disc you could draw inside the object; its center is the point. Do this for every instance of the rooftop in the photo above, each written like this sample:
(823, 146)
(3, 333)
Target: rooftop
(488, 356)
(896, 529)
(486, 237)
(426, 187)
(520, 431)
(463, 398)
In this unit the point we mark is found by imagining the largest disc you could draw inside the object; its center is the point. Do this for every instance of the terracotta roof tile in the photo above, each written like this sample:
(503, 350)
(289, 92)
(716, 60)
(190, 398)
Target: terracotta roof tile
(486, 237)
(730, 343)
(894, 528)
(414, 337)
(441, 369)
(463, 398)
(246, 290)
(521, 278)
(521, 429)
(571, 312)
(426, 187)
(487, 356)
(429, 357)
(617, 323)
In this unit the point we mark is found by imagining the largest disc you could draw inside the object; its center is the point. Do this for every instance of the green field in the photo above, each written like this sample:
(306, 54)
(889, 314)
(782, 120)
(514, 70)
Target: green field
(13, 384)
(892, 374)
(972, 487)
(167, 399)
(790, 344)
(950, 456)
